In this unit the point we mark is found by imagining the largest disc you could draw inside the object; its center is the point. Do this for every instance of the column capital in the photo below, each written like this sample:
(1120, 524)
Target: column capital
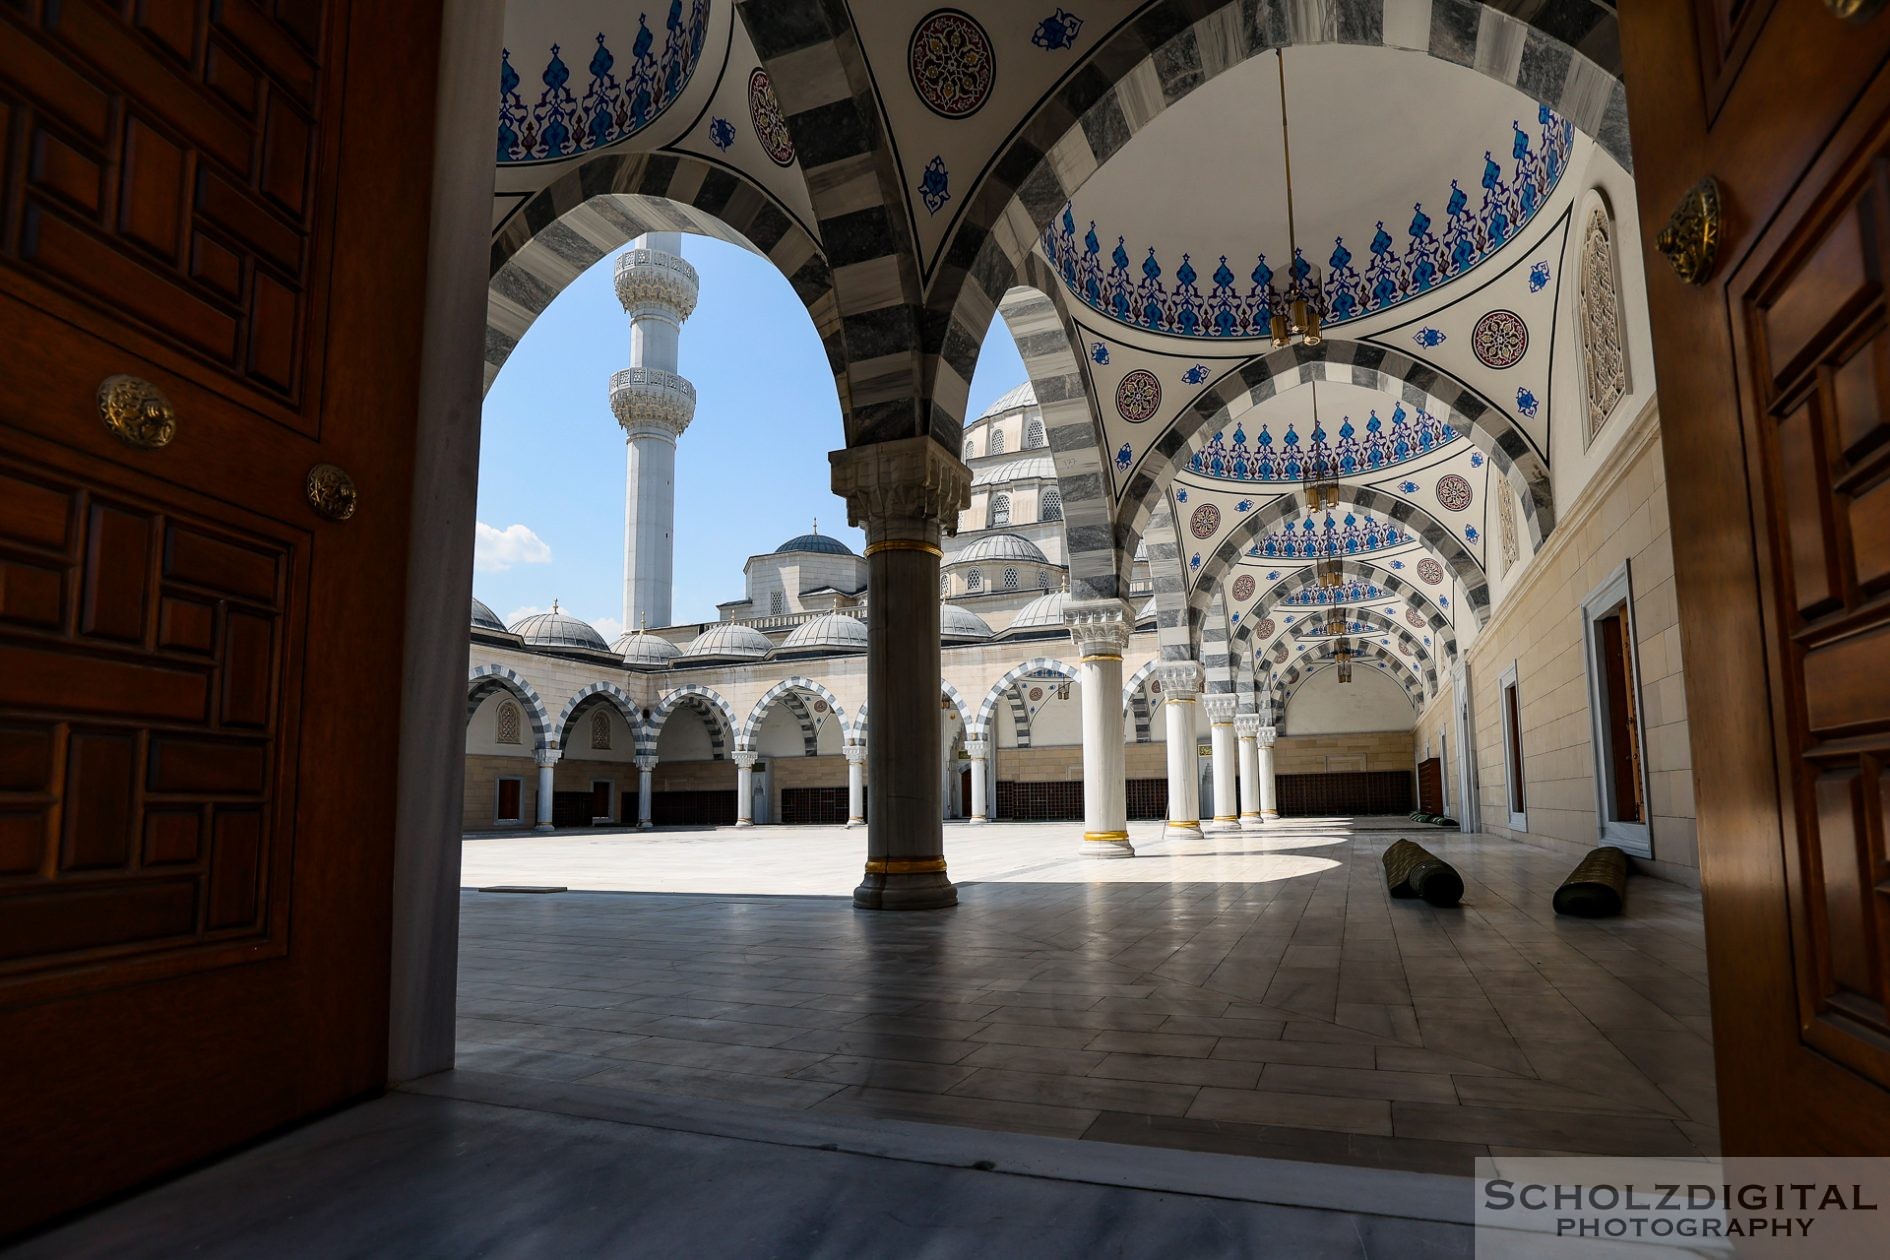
(1180, 680)
(1220, 709)
(855, 753)
(744, 758)
(646, 764)
(1247, 725)
(1266, 734)
(977, 749)
(907, 490)
(1099, 627)
(546, 757)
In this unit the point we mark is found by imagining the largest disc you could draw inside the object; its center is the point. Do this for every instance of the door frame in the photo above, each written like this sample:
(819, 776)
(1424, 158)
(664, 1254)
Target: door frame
(1469, 809)
(1617, 589)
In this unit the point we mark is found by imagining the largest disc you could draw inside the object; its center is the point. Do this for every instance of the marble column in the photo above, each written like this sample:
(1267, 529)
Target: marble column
(744, 759)
(856, 784)
(1181, 687)
(979, 751)
(906, 494)
(1247, 728)
(1100, 630)
(547, 758)
(645, 766)
(1220, 711)
(1269, 796)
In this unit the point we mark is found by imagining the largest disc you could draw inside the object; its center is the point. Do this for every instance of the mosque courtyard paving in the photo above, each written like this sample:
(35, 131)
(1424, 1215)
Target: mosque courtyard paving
(1245, 993)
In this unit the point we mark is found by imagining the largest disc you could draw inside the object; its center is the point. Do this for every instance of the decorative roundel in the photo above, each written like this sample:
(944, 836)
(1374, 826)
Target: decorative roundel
(1036, 694)
(1265, 628)
(1206, 519)
(770, 124)
(1454, 492)
(820, 706)
(952, 62)
(1243, 586)
(1431, 571)
(1138, 396)
(1500, 339)
(1416, 622)
(1156, 687)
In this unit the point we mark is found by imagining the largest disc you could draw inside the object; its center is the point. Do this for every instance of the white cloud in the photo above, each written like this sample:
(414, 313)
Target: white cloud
(519, 614)
(610, 627)
(495, 550)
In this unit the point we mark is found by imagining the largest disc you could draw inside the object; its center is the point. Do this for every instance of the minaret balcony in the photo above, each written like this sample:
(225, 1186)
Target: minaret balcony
(642, 397)
(652, 278)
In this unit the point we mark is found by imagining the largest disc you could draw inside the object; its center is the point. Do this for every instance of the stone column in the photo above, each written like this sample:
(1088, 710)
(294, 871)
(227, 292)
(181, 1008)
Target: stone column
(1100, 630)
(1181, 687)
(978, 750)
(744, 759)
(1220, 711)
(1269, 796)
(856, 785)
(906, 494)
(645, 765)
(547, 758)
(1247, 727)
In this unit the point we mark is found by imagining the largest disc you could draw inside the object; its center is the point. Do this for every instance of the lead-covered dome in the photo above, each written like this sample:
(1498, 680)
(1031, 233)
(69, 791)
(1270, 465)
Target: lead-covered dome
(815, 542)
(957, 624)
(730, 641)
(557, 629)
(833, 630)
(483, 618)
(998, 547)
(1024, 395)
(642, 650)
(1043, 613)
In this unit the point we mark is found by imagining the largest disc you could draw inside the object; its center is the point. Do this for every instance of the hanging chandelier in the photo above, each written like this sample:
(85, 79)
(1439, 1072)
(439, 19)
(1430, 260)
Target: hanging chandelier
(1321, 469)
(1335, 622)
(1343, 656)
(1326, 569)
(1297, 294)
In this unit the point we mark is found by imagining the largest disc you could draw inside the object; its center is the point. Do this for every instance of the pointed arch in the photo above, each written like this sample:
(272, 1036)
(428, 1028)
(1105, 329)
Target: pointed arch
(486, 679)
(1036, 664)
(1301, 577)
(946, 692)
(708, 703)
(785, 688)
(611, 694)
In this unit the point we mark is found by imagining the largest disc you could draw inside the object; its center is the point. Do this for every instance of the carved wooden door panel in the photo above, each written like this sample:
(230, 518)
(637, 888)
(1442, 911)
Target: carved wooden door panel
(212, 231)
(1774, 379)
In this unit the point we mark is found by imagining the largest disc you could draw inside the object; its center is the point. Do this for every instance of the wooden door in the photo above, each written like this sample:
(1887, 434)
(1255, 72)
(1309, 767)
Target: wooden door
(1430, 785)
(198, 699)
(1774, 383)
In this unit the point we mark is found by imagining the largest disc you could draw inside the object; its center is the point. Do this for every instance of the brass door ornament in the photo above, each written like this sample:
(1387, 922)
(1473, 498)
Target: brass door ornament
(1691, 238)
(331, 492)
(136, 412)
(1854, 10)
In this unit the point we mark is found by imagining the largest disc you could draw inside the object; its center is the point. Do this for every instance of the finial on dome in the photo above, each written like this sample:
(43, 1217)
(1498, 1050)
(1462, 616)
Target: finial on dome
(554, 603)
(816, 524)
(643, 622)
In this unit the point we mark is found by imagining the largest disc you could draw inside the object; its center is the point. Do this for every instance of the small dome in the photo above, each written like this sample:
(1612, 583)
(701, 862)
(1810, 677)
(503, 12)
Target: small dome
(1146, 612)
(1000, 547)
(1038, 467)
(1043, 613)
(556, 629)
(815, 542)
(484, 618)
(728, 639)
(642, 650)
(833, 630)
(959, 624)
(1024, 395)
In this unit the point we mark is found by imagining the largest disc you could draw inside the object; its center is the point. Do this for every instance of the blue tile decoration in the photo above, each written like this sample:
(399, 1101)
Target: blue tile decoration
(935, 185)
(721, 133)
(1057, 31)
(1291, 458)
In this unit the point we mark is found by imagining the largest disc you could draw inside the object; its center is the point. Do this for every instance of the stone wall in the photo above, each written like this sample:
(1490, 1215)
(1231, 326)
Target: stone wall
(1364, 750)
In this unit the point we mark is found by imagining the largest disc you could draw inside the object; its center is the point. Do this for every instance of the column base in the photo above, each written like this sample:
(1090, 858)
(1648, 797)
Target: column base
(646, 826)
(544, 827)
(1269, 814)
(744, 822)
(1250, 822)
(976, 820)
(855, 822)
(905, 884)
(1190, 830)
(1107, 844)
(1221, 822)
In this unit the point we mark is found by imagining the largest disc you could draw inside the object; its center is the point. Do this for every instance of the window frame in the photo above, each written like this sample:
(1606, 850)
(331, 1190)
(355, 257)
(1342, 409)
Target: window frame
(1616, 592)
(498, 795)
(991, 520)
(1045, 501)
(1509, 719)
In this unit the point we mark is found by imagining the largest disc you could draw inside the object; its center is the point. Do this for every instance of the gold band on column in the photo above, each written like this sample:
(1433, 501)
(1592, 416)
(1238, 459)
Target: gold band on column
(1184, 822)
(905, 866)
(902, 544)
(1250, 813)
(1225, 818)
(1099, 656)
(1214, 724)
(1105, 835)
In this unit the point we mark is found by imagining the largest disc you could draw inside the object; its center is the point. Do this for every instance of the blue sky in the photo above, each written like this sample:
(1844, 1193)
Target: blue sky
(751, 472)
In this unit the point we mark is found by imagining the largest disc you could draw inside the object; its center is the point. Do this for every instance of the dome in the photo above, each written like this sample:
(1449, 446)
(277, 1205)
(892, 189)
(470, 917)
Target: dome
(833, 630)
(1146, 612)
(1038, 467)
(815, 542)
(957, 623)
(1024, 395)
(1043, 613)
(484, 618)
(1000, 547)
(728, 639)
(556, 629)
(643, 650)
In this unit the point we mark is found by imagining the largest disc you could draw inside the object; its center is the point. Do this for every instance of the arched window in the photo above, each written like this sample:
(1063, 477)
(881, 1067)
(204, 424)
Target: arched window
(1033, 435)
(1052, 506)
(967, 448)
(600, 729)
(1043, 580)
(944, 586)
(974, 580)
(996, 445)
(777, 602)
(1010, 579)
(508, 724)
(1000, 513)
(1604, 360)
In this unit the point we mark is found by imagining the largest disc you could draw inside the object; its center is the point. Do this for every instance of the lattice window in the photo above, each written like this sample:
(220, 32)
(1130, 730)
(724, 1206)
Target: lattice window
(600, 729)
(974, 580)
(1052, 506)
(1506, 526)
(944, 586)
(1010, 579)
(996, 444)
(508, 722)
(967, 448)
(1000, 513)
(1043, 581)
(777, 602)
(1033, 435)
(1604, 361)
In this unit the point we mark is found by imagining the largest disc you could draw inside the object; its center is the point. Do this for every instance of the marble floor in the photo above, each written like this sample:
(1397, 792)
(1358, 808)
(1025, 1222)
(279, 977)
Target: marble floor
(1246, 993)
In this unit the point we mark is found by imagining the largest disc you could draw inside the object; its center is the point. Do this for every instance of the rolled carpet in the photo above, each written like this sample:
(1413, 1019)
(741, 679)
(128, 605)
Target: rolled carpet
(1597, 887)
(1411, 870)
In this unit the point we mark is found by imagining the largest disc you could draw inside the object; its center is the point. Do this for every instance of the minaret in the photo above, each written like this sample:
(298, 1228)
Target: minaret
(654, 405)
